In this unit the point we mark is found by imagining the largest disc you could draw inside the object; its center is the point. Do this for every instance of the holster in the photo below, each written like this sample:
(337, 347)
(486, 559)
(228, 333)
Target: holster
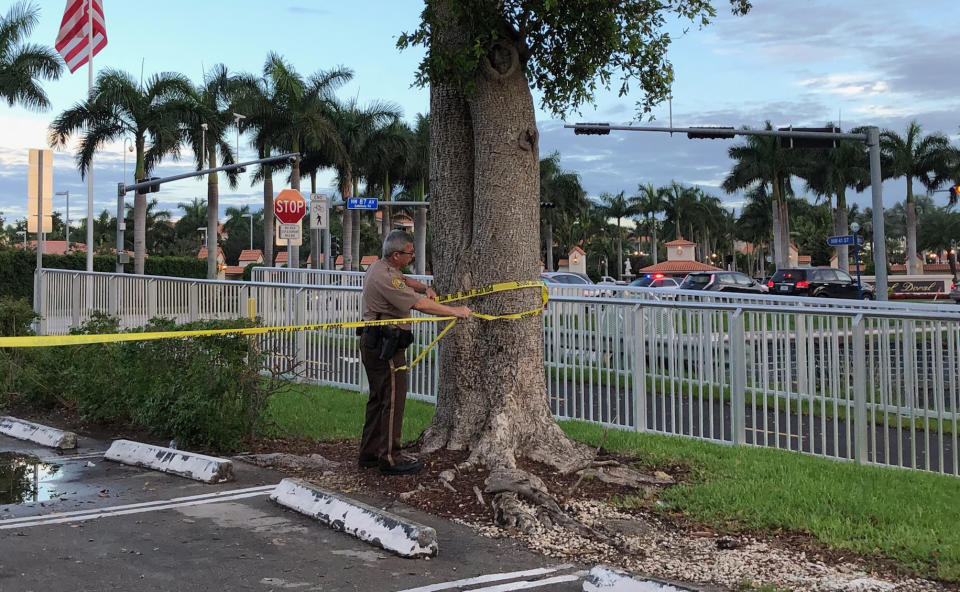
(389, 340)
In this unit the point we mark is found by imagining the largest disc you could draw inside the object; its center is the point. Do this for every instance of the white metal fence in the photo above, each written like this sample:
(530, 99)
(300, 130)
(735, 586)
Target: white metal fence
(877, 383)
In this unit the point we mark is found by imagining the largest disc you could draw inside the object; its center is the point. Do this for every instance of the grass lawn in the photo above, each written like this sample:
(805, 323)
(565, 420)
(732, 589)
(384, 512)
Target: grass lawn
(907, 515)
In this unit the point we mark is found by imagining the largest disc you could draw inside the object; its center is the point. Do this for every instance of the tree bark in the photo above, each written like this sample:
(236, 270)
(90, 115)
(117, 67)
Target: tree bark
(484, 182)
(778, 257)
(653, 249)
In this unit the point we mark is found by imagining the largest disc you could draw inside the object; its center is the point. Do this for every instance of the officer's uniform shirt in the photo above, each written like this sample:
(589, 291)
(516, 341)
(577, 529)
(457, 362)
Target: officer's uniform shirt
(385, 292)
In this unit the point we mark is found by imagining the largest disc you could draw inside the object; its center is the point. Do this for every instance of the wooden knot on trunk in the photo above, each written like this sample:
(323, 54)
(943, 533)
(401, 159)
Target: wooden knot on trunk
(527, 140)
(501, 62)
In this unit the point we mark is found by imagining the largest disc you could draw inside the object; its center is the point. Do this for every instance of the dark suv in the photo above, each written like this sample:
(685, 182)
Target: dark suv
(722, 281)
(823, 282)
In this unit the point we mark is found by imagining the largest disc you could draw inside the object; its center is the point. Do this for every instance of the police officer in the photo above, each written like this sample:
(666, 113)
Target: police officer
(388, 294)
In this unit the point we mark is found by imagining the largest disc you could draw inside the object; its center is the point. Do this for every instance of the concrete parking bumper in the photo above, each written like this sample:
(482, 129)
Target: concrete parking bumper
(36, 433)
(191, 465)
(381, 528)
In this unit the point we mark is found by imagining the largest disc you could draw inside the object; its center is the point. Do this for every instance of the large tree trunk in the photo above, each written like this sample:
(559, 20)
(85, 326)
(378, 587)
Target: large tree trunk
(484, 181)
(914, 266)
(213, 214)
(779, 258)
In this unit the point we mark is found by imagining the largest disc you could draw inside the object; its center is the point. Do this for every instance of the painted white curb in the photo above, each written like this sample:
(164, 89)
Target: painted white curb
(604, 579)
(25, 430)
(191, 465)
(390, 532)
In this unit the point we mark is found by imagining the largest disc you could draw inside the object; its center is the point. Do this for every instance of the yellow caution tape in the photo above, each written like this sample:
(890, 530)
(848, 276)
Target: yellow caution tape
(59, 340)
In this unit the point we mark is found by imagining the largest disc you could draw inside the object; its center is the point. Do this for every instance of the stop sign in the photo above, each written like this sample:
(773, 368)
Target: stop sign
(289, 206)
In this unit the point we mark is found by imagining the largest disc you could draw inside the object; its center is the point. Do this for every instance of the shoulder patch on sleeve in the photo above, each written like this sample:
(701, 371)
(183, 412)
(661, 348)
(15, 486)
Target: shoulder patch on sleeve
(399, 284)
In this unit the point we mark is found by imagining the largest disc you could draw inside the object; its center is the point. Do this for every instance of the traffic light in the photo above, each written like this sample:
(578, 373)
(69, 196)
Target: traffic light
(710, 132)
(334, 246)
(152, 188)
(547, 204)
(592, 131)
(789, 142)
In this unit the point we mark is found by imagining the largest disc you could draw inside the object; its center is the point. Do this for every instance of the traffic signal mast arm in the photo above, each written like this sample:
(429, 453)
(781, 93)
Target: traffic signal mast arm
(709, 132)
(153, 183)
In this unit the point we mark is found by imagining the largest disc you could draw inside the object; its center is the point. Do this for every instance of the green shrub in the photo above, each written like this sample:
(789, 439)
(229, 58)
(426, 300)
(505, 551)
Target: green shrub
(204, 391)
(16, 318)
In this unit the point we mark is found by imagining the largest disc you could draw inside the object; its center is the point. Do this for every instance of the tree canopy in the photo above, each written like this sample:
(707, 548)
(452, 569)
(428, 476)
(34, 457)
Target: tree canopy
(616, 41)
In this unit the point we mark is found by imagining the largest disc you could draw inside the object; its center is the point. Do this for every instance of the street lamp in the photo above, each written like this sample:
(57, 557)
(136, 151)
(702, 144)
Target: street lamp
(67, 193)
(203, 241)
(203, 145)
(251, 224)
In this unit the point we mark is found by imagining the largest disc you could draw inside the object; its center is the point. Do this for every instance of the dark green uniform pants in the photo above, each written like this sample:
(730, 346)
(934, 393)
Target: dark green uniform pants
(388, 395)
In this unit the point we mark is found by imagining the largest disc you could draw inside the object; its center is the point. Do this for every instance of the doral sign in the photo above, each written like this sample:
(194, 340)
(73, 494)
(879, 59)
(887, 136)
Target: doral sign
(289, 206)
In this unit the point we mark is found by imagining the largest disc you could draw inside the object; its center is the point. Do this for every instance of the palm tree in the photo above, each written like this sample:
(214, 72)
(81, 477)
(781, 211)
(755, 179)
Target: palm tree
(679, 203)
(649, 202)
(563, 190)
(829, 173)
(21, 63)
(763, 162)
(354, 126)
(120, 107)
(415, 180)
(755, 224)
(287, 113)
(915, 156)
(386, 157)
(619, 207)
(212, 109)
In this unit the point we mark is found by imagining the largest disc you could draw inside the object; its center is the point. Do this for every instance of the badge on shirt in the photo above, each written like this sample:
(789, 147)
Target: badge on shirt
(399, 284)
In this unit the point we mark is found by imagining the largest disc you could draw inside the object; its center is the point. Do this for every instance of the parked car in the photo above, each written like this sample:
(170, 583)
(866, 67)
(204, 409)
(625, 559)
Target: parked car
(570, 279)
(820, 282)
(722, 281)
(654, 280)
(955, 292)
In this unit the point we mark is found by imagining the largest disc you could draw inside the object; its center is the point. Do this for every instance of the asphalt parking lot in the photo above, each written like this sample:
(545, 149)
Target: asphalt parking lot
(91, 524)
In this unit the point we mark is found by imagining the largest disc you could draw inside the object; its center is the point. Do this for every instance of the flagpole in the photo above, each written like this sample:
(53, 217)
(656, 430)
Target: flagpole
(90, 165)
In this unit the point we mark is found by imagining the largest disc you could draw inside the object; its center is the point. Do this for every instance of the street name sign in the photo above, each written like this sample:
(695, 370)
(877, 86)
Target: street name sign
(362, 203)
(844, 239)
(289, 206)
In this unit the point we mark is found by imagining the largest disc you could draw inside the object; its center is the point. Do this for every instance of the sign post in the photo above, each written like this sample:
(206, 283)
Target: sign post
(850, 239)
(319, 224)
(289, 208)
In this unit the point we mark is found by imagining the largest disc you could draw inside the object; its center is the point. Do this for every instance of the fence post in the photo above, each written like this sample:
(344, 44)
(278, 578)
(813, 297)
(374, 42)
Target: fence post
(113, 297)
(639, 373)
(193, 301)
(152, 298)
(300, 318)
(859, 389)
(75, 300)
(738, 378)
(40, 298)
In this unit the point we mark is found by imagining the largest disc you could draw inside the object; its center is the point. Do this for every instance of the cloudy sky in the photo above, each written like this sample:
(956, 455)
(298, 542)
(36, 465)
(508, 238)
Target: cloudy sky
(800, 62)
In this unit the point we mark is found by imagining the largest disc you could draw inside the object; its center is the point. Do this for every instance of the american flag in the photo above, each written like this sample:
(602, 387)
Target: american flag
(72, 41)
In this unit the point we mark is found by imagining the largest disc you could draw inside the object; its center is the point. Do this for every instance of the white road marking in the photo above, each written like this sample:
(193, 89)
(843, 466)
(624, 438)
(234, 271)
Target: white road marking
(95, 513)
(525, 584)
(59, 460)
(488, 578)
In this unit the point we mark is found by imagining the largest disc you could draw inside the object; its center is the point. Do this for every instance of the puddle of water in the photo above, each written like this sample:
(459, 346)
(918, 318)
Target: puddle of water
(24, 478)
